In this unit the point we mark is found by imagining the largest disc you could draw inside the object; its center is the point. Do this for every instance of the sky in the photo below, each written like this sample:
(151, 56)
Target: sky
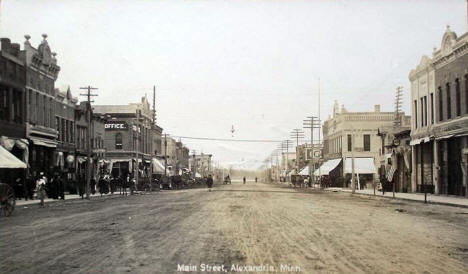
(256, 66)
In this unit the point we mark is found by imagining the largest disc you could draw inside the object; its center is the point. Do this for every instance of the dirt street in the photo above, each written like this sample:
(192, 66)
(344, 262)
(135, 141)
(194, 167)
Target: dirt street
(252, 225)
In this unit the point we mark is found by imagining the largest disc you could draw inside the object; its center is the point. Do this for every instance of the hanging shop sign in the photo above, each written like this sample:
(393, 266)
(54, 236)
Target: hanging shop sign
(313, 153)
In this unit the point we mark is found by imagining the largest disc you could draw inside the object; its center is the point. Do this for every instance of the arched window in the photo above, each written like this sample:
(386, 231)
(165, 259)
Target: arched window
(118, 141)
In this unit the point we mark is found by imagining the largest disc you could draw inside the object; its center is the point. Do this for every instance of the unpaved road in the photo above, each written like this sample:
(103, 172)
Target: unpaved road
(248, 225)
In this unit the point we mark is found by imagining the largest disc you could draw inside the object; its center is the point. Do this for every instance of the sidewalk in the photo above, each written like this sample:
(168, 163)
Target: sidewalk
(418, 197)
(22, 202)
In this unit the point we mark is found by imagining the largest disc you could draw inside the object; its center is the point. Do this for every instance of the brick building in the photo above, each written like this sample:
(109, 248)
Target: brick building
(64, 158)
(200, 164)
(12, 110)
(41, 72)
(129, 131)
(347, 134)
(439, 131)
(12, 100)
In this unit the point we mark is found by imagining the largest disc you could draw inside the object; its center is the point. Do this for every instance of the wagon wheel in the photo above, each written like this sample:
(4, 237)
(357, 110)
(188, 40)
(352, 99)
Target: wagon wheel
(8, 200)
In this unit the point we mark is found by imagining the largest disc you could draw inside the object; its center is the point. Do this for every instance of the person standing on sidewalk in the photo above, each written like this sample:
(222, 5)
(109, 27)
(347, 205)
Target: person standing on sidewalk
(244, 180)
(40, 190)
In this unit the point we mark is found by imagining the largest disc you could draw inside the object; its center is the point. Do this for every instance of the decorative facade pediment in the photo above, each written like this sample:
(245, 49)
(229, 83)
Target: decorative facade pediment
(448, 41)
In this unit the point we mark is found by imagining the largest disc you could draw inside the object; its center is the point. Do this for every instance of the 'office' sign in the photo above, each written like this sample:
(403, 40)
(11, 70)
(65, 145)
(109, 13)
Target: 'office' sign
(116, 126)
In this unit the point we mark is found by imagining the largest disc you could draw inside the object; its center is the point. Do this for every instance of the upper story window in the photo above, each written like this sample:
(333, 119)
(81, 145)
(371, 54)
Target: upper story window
(466, 93)
(350, 144)
(118, 141)
(422, 111)
(449, 102)
(441, 105)
(457, 97)
(4, 109)
(432, 108)
(415, 113)
(425, 110)
(367, 142)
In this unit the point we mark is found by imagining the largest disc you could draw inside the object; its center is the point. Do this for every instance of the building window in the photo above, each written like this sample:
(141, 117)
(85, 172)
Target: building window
(72, 132)
(466, 93)
(4, 109)
(449, 103)
(37, 108)
(65, 130)
(432, 108)
(366, 142)
(30, 98)
(118, 141)
(457, 97)
(44, 113)
(441, 105)
(425, 110)
(350, 145)
(415, 113)
(422, 112)
(57, 127)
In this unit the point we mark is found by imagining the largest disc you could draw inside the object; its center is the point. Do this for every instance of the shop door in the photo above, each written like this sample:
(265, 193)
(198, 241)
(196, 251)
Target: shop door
(455, 184)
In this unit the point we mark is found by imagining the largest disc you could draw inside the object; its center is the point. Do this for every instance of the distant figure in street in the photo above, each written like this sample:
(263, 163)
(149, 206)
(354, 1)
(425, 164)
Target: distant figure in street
(244, 180)
(255, 179)
(209, 182)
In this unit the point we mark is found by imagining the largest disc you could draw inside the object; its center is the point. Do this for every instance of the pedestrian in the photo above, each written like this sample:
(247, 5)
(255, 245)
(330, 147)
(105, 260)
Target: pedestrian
(209, 182)
(19, 188)
(244, 180)
(93, 186)
(30, 186)
(40, 190)
(61, 188)
(255, 179)
(81, 186)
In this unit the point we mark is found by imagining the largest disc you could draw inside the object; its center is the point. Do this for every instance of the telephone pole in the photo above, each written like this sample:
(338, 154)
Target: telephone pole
(398, 103)
(297, 134)
(89, 137)
(165, 154)
(286, 144)
(353, 174)
(194, 164)
(137, 149)
(312, 123)
(154, 104)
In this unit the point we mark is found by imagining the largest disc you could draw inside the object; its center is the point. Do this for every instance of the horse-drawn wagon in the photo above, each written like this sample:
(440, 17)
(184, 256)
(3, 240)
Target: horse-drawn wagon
(297, 181)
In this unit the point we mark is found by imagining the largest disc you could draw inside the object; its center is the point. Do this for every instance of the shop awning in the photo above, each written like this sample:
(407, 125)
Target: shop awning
(8, 160)
(420, 140)
(326, 167)
(304, 171)
(361, 166)
(158, 167)
(444, 137)
(43, 142)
